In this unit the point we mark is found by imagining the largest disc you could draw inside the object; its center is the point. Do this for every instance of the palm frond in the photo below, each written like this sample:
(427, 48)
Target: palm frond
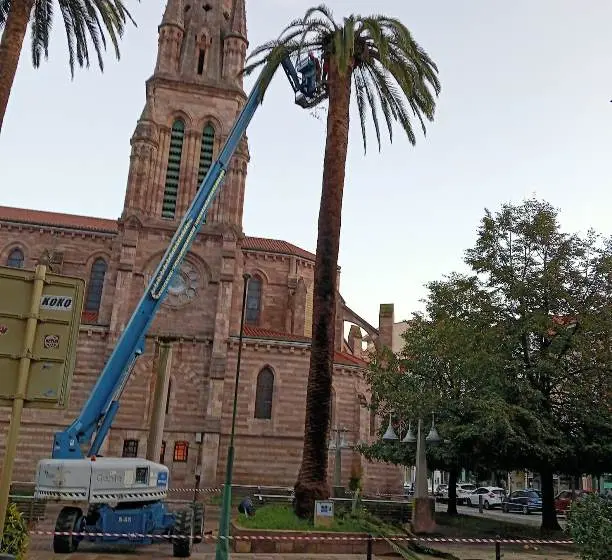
(4, 8)
(392, 74)
(40, 30)
(360, 86)
(325, 12)
(85, 22)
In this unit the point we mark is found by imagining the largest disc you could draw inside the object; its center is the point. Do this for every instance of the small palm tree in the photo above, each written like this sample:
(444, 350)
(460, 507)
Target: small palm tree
(391, 74)
(84, 20)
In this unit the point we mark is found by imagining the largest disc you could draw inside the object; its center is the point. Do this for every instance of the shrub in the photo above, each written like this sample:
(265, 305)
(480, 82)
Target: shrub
(15, 537)
(590, 524)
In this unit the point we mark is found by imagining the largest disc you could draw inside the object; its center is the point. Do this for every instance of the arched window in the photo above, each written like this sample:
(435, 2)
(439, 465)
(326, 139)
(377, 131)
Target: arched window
(206, 152)
(263, 394)
(94, 288)
(253, 300)
(173, 170)
(15, 258)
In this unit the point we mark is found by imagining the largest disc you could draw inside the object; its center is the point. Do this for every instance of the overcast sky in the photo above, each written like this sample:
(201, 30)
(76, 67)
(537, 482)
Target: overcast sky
(525, 109)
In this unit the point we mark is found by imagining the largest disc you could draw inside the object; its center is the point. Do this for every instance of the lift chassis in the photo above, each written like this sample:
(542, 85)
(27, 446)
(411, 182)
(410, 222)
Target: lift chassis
(121, 500)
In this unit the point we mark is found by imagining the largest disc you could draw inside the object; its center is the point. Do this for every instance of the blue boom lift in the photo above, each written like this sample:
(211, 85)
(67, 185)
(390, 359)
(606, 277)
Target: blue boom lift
(124, 496)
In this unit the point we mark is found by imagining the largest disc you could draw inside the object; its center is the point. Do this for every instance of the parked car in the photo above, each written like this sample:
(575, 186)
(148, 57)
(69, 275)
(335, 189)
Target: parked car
(526, 501)
(563, 500)
(441, 488)
(464, 489)
(492, 496)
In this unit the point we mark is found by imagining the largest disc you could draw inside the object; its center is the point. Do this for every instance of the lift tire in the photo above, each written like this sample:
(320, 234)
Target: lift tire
(68, 521)
(183, 534)
(198, 523)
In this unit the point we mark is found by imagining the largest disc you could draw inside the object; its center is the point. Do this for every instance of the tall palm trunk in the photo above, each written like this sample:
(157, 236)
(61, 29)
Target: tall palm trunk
(11, 43)
(311, 483)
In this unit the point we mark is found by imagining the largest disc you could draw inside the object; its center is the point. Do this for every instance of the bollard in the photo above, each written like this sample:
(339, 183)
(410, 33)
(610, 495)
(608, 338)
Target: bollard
(369, 550)
(480, 500)
(497, 551)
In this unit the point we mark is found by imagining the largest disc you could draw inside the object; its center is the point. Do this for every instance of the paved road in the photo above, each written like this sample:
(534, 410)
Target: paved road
(533, 520)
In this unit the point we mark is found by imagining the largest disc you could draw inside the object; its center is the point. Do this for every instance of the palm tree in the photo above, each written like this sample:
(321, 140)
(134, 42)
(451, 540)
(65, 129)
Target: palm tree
(392, 74)
(83, 20)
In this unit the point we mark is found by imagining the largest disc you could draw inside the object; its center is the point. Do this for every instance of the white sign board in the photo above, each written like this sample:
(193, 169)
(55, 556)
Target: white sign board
(324, 512)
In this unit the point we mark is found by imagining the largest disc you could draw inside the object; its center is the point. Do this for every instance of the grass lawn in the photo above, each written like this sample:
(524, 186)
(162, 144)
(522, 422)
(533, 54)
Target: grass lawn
(281, 518)
(277, 517)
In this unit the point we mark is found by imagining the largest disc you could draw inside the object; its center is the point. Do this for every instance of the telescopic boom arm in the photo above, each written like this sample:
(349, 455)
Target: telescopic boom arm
(97, 415)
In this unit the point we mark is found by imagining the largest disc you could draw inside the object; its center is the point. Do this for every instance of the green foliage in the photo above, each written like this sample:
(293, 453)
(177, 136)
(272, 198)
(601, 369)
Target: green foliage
(391, 73)
(590, 524)
(275, 517)
(15, 537)
(551, 300)
(84, 21)
(514, 357)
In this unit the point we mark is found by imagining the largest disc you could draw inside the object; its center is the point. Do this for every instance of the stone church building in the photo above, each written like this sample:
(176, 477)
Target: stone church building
(180, 414)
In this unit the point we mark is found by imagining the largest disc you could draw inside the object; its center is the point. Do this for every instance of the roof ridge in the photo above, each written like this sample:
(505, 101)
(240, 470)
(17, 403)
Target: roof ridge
(93, 223)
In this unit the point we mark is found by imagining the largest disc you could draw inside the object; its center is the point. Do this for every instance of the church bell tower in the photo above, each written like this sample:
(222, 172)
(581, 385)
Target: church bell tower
(192, 100)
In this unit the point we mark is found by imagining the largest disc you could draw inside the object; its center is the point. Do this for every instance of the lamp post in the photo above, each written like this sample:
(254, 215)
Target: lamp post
(222, 548)
(422, 510)
(338, 444)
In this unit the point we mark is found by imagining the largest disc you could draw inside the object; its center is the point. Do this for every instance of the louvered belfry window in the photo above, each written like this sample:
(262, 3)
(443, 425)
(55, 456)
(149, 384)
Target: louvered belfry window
(173, 171)
(206, 152)
(95, 286)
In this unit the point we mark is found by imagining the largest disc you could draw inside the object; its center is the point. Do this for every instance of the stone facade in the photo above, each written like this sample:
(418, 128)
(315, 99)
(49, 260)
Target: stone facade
(192, 100)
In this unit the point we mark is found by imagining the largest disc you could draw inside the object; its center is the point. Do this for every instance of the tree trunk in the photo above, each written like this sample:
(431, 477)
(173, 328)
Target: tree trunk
(549, 515)
(11, 43)
(451, 508)
(311, 482)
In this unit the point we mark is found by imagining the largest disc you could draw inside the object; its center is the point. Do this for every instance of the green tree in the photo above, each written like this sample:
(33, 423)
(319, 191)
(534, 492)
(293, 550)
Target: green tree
(450, 364)
(551, 296)
(392, 74)
(590, 525)
(83, 20)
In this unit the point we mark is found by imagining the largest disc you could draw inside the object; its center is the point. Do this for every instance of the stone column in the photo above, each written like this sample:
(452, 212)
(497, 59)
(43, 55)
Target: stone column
(355, 341)
(160, 396)
(423, 506)
(386, 318)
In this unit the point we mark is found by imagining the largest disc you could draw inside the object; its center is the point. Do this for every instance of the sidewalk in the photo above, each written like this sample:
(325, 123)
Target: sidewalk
(465, 553)
(159, 554)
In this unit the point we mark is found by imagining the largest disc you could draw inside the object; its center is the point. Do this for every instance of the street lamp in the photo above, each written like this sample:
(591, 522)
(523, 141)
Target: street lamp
(422, 511)
(222, 548)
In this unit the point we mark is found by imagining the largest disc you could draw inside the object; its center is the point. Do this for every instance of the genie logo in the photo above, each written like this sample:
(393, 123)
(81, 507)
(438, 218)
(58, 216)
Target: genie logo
(162, 479)
(56, 303)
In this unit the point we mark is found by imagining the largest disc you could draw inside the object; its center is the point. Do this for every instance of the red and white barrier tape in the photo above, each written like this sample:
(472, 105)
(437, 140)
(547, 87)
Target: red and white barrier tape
(205, 490)
(318, 538)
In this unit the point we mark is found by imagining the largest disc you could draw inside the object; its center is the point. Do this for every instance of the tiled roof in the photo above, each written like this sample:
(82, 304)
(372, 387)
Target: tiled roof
(39, 217)
(349, 360)
(275, 246)
(339, 357)
(88, 223)
(257, 332)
